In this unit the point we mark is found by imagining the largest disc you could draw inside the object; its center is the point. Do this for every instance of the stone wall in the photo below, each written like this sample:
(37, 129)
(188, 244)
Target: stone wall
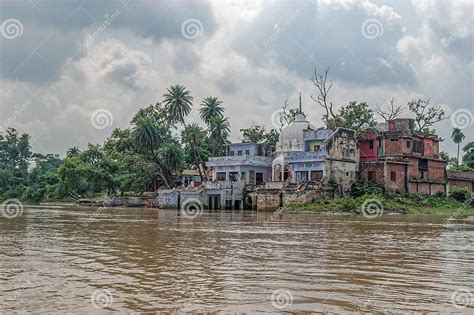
(167, 199)
(268, 201)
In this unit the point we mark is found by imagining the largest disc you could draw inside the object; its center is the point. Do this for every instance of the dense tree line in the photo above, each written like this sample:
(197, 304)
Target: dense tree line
(160, 143)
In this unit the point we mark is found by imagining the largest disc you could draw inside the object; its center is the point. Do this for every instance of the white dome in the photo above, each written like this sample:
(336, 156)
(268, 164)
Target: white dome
(293, 134)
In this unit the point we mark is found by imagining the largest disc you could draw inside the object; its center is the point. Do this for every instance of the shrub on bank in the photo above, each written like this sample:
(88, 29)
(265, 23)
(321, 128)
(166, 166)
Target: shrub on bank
(461, 195)
(360, 188)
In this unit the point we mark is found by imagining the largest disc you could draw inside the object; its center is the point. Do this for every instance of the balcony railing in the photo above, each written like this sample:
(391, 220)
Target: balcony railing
(241, 160)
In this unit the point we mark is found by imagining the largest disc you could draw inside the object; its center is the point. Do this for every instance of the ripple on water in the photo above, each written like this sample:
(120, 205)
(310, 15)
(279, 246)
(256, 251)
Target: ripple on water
(152, 260)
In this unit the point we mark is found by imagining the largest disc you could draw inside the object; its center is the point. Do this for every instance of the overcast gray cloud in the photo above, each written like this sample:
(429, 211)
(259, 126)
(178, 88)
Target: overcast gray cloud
(76, 57)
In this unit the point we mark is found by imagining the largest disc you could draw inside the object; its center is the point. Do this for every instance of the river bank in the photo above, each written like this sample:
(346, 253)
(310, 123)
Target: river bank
(375, 205)
(370, 206)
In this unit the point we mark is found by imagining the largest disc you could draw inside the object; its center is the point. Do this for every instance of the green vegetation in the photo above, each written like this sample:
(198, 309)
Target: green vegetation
(148, 154)
(467, 159)
(409, 204)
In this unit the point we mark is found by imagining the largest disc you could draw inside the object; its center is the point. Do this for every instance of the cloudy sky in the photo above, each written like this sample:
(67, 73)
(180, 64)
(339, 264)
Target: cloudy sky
(65, 62)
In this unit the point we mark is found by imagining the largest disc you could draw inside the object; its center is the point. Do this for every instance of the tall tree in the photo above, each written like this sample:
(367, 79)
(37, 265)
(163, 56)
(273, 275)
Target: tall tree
(73, 151)
(357, 116)
(323, 87)
(425, 114)
(219, 131)
(147, 136)
(178, 102)
(210, 108)
(457, 136)
(194, 137)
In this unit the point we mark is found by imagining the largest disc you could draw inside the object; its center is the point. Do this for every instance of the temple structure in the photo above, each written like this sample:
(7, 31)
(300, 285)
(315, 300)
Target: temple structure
(306, 154)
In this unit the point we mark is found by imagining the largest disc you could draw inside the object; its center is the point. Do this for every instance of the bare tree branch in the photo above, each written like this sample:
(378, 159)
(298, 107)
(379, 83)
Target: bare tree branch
(426, 115)
(389, 112)
(323, 88)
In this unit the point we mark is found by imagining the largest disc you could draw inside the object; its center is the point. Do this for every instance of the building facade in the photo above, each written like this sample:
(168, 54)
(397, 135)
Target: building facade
(402, 159)
(304, 154)
(249, 163)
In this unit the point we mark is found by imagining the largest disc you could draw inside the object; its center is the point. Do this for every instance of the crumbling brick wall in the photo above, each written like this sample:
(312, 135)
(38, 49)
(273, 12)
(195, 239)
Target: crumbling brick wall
(268, 201)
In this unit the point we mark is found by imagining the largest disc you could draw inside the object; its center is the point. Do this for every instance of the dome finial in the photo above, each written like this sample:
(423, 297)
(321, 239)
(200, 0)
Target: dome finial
(301, 111)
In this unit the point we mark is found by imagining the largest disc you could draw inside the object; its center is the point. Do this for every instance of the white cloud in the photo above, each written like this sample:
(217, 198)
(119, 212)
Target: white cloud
(122, 71)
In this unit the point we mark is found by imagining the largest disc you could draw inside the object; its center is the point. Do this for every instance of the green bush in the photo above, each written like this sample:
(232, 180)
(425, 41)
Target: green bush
(346, 204)
(417, 197)
(440, 194)
(461, 195)
(360, 188)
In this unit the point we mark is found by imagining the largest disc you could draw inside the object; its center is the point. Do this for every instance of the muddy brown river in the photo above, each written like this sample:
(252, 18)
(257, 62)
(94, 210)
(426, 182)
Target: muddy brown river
(62, 261)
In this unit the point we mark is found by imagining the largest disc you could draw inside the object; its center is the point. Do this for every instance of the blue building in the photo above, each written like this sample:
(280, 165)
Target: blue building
(305, 154)
(249, 163)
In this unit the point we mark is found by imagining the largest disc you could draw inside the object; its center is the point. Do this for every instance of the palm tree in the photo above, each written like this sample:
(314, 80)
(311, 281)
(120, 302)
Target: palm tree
(211, 107)
(457, 136)
(146, 134)
(147, 137)
(73, 151)
(178, 102)
(193, 136)
(219, 130)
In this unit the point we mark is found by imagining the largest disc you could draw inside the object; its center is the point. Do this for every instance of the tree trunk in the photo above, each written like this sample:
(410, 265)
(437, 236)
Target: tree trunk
(458, 151)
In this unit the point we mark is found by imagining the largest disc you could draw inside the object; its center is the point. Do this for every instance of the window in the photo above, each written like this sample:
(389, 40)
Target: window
(247, 152)
(380, 143)
(239, 152)
(371, 144)
(232, 153)
(220, 176)
(393, 176)
(393, 140)
(316, 176)
(371, 176)
(423, 165)
(408, 144)
(417, 146)
(234, 176)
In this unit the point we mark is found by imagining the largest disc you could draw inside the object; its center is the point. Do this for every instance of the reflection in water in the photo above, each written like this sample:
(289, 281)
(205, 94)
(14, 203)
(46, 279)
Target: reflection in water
(57, 260)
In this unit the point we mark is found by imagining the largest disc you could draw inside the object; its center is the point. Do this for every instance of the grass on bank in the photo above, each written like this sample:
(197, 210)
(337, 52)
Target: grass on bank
(409, 204)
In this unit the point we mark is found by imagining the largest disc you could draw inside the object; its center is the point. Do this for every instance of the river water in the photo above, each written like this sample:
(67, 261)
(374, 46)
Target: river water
(60, 260)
